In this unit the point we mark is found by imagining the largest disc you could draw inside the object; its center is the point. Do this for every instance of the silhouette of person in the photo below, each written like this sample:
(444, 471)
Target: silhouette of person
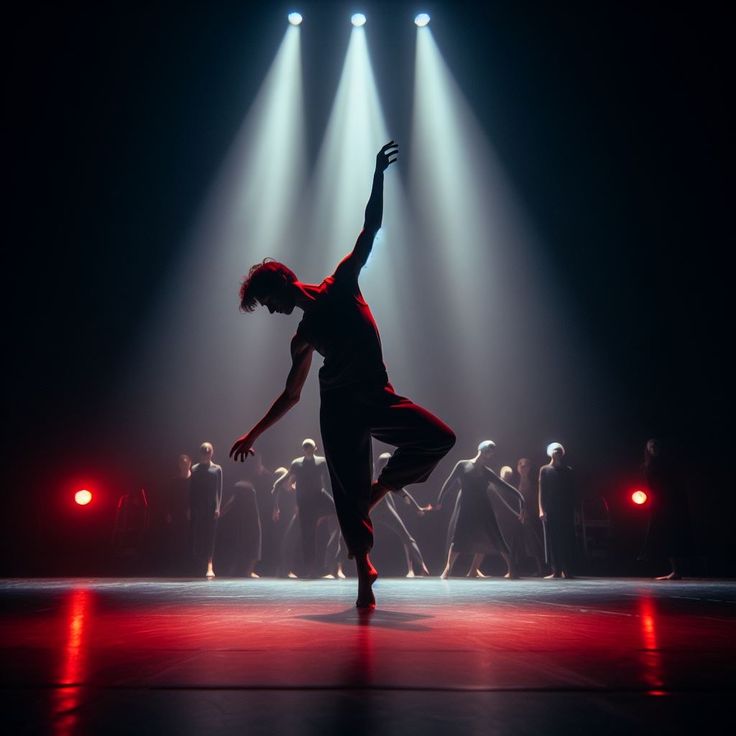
(205, 489)
(175, 513)
(239, 532)
(385, 513)
(528, 543)
(668, 533)
(476, 527)
(314, 506)
(357, 400)
(557, 496)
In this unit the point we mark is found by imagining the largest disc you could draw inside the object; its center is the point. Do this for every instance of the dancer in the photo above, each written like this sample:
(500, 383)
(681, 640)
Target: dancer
(205, 488)
(527, 543)
(314, 505)
(557, 512)
(357, 401)
(668, 534)
(476, 528)
(385, 513)
(239, 536)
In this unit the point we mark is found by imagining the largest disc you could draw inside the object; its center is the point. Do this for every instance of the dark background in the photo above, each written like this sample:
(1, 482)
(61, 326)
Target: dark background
(613, 121)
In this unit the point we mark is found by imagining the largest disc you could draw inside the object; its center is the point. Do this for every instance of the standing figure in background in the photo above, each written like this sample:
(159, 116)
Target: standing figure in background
(175, 517)
(314, 506)
(557, 497)
(476, 529)
(205, 493)
(527, 543)
(668, 534)
(385, 513)
(239, 532)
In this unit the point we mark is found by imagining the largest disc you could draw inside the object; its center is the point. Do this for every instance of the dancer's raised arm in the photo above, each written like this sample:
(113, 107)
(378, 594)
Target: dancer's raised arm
(373, 212)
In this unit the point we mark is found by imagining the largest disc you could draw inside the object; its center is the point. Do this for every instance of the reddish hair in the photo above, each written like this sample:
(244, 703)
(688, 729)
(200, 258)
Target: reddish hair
(263, 279)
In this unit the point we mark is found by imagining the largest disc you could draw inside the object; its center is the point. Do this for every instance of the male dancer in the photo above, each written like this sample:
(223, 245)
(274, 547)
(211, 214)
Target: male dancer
(308, 474)
(357, 401)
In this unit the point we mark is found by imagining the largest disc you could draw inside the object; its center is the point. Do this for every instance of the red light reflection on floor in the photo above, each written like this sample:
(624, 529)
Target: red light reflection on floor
(651, 655)
(73, 665)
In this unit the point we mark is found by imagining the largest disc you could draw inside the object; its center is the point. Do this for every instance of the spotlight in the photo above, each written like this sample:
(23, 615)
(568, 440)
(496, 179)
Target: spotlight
(639, 498)
(358, 20)
(422, 20)
(82, 497)
(295, 19)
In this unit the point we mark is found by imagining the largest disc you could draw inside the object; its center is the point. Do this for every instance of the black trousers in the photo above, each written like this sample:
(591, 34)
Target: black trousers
(349, 418)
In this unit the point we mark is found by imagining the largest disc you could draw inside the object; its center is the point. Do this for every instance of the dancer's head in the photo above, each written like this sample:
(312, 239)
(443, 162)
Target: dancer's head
(524, 466)
(268, 283)
(653, 447)
(309, 446)
(486, 450)
(555, 452)
(206, 451)
(507, 473)
(184, 463)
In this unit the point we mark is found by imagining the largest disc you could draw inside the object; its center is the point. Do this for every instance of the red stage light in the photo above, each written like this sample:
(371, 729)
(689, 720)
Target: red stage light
(639, 497)
(82, 497)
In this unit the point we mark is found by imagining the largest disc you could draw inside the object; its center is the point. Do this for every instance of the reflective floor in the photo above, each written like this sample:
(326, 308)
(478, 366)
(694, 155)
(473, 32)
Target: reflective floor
(295, 657)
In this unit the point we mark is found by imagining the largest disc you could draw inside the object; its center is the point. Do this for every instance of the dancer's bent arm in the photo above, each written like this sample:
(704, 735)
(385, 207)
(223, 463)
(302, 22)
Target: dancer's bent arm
(301, 360)
(451, 482)
(373, 212)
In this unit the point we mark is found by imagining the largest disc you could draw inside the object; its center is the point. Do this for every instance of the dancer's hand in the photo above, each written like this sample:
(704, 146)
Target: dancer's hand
(386, 156)
(424, 509)
(242, 448)
(276, 514)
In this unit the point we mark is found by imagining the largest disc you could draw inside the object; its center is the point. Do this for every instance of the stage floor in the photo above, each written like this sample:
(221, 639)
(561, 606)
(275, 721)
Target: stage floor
(593, 655)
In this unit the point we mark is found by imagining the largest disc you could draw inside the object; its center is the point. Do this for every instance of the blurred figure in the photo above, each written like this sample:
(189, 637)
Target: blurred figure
(385, 513)
(308, 475)
(668, 535)
(527, 541)
(175, 521)
(557, 496)
(205, 493)
(476, 529)
(239, 532)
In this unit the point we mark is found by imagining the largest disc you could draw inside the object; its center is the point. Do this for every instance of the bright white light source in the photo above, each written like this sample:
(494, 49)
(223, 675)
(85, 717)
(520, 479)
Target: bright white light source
(422, 20)
(358, 20)
(295, 19)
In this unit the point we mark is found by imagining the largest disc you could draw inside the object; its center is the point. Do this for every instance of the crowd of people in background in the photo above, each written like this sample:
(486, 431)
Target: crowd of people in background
(282, 522)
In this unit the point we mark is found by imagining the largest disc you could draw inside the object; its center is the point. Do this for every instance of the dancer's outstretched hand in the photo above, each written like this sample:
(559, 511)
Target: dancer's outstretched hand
(386, 156)
(242, 448)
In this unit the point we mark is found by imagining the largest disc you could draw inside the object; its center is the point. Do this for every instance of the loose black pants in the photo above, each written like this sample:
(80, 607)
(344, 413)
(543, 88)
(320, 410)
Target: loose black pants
(349, 418)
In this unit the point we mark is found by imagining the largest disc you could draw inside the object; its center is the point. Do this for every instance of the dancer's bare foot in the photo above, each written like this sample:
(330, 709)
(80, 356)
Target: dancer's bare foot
(476, 574)
(329, 576)
(367, 575)
(425, 570)
(210, 575)
(671, 576)
(255, 575)
(410, 574)
(511, 575)
(340, 573)
(552, 575)
(445, 574)
(567, 576)
(292, 575)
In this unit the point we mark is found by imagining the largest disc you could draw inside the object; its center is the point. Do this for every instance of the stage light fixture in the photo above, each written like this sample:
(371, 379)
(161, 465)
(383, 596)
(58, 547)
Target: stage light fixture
(83, 497)
(639, 497)
(358, 20)
(295, 19)
(422, 20)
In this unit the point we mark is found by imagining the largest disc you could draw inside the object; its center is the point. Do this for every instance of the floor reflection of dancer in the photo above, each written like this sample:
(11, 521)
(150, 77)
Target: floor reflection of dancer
(314, 506)
(476, 528)
(385, 513)
(357, 401)
(205, 490)
(557, 511)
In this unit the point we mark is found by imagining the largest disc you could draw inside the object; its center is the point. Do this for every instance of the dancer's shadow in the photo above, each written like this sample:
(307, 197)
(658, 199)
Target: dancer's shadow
(380, 618)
